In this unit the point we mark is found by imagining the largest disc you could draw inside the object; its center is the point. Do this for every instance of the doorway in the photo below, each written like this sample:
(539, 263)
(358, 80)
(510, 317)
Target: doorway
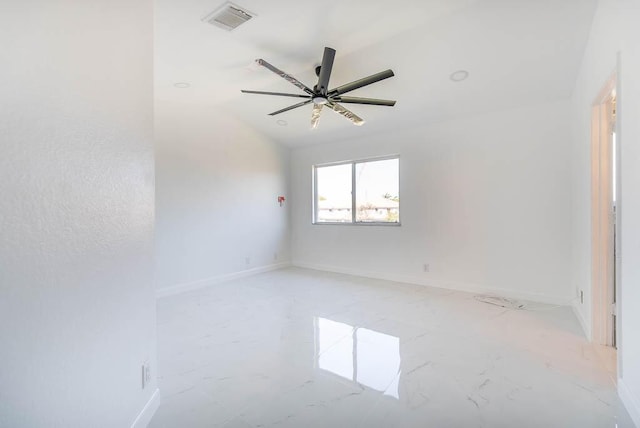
(604, 206)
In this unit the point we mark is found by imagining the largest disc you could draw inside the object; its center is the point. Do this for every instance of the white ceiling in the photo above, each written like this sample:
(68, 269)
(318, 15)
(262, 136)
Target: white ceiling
(517, 52)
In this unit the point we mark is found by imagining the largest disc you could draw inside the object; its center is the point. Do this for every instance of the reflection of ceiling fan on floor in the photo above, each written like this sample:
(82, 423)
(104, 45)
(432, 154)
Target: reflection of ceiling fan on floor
(321, 96)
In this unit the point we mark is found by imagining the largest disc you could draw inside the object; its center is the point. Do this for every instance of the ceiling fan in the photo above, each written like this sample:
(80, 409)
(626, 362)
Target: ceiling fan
(321, 96)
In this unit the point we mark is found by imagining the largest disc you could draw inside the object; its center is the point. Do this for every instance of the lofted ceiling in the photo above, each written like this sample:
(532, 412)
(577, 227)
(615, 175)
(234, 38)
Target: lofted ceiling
(517, 52)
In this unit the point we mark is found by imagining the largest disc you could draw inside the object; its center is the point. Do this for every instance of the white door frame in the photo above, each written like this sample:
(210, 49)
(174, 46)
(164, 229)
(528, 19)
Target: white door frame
(602, 216)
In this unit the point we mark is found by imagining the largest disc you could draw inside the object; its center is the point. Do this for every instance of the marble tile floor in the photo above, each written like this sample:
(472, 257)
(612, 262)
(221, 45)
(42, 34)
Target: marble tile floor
(302, 348)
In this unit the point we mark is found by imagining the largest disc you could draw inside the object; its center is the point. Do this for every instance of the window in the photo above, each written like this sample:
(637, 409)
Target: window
(358, 192)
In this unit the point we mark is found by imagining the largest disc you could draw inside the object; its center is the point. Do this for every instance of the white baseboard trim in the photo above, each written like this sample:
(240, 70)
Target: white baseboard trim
(586, 328)
(148, 411)
(450, 285)
(196, 285)
(631, 402)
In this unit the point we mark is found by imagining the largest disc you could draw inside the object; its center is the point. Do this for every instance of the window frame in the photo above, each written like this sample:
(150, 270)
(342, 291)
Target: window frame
(353, 222)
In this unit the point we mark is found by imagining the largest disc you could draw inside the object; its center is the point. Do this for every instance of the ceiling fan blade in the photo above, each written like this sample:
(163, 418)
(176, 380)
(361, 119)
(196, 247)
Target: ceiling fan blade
(274, 93)
(358, 100)
(325, 71)
(346, 113)
(291, 107)
(315, 115)
(361, 82)
(285, 76)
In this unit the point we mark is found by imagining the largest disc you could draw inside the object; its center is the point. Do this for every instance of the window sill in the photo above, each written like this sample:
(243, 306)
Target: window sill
(356, 224)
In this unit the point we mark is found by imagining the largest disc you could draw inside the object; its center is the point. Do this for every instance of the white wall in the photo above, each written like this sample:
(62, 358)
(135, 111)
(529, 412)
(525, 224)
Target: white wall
(484, 200)
(216, 197)
(615, 30)
(77, 314)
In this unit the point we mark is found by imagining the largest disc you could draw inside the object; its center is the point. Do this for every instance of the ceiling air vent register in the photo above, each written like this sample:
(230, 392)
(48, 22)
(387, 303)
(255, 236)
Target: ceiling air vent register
(228, 17)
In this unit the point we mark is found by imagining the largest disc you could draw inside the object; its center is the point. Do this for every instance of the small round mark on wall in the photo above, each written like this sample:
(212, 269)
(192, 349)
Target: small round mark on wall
(459, 76)
(181, 85)
(282, 122)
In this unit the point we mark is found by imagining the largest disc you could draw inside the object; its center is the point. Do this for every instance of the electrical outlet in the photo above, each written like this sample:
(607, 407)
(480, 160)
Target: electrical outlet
(146, 374)
(275, 257)
(425, 267)
(247, 260)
